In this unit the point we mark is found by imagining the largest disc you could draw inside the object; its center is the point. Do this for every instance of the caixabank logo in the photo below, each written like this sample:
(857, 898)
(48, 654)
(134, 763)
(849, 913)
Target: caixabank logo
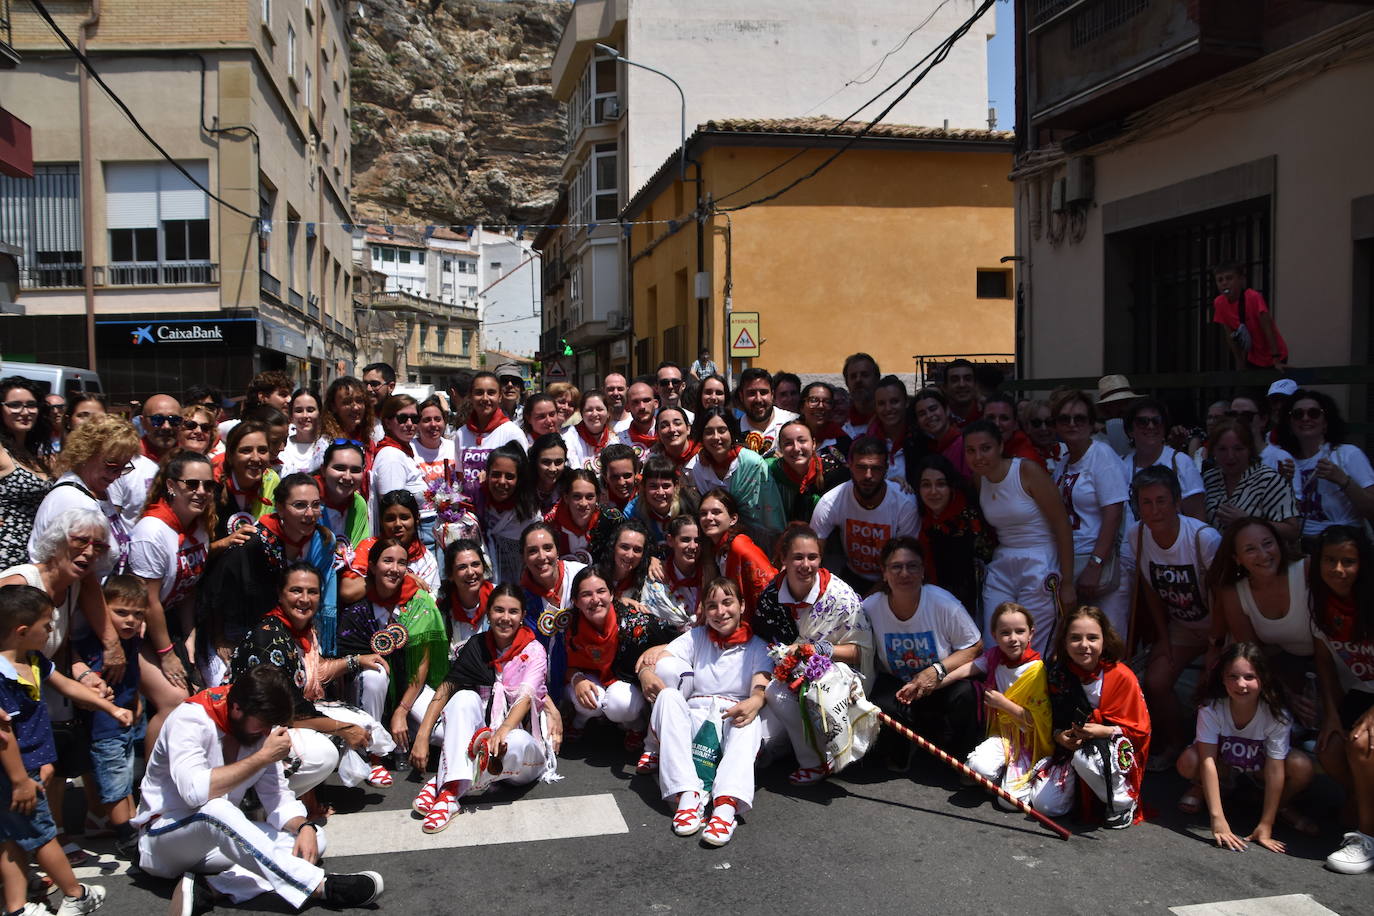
(150, 333)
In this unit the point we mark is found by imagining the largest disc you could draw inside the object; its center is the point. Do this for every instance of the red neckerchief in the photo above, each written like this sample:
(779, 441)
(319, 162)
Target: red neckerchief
(738, 638)
(1019, 445)
(500, 505)
(498, 417)
(148, 452)
(690, 452)
(409, 586)
(324, 495)
(709, 460)
(252, 497)
(624, 585)
(856, 418)
(389, 442)
(951, 433)
(215, 702)
(830, 430)
(523, 637)
(163, 513)
(554, 594)
(894, 446)
(563, 518)
(648, 440)
(958, 502)
(1338, 617)
(997, 658)
(273, 524)
(617, 501)
(460, 614)
(1085, 675)
(595, 444)
(975, 413)
(589, 650)
(804, 480)
(794, 606)
(302, 637)
(674, 581)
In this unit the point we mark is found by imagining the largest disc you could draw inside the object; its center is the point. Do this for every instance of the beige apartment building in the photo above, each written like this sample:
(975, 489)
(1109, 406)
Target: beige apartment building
(122, 252)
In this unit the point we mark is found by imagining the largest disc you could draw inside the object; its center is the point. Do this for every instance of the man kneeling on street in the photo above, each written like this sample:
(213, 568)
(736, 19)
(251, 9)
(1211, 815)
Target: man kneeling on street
(212, 749)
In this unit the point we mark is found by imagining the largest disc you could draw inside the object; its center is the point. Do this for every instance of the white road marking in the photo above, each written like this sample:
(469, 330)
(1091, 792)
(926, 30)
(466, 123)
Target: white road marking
(480, 824)
(1286, 905)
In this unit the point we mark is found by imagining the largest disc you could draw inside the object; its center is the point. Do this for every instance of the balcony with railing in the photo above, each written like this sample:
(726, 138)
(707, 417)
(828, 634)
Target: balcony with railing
(153, 273)
(269, 285)
(437, 360)
(296, 300)
(56, 276)
(9, 58)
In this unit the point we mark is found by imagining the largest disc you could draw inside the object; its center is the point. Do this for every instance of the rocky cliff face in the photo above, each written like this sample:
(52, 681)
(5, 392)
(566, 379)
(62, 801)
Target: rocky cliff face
(453, 118)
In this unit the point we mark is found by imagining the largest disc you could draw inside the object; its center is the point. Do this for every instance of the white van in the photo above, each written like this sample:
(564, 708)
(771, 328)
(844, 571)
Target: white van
(63, 380)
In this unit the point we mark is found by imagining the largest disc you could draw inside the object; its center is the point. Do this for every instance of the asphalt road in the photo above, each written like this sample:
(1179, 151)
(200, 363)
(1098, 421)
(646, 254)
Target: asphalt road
(866, 841)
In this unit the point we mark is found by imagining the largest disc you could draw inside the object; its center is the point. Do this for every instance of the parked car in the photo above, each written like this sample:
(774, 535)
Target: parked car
(64, 380)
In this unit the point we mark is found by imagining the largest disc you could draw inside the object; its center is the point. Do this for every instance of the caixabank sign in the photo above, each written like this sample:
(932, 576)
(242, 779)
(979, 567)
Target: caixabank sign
(156, 334)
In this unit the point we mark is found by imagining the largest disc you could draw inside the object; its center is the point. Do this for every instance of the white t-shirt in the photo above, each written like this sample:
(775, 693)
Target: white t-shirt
(472, 455)
(1177, 575)
(865, 531)
(1088, 486)
(157, 553)
(1321, 502)
(716, 671)
(940, 626)
(302, 457)
(1004, 676)
(1271, 455)
(582, 455)
(763, 439)
(1245, 749)
(1354, 661)
(130, 492)
(430, 463)
(1189, 477)
(63, 497)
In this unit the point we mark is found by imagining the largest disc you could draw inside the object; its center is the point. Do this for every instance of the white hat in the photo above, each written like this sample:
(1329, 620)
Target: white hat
(1115, 388)
(1282, 388)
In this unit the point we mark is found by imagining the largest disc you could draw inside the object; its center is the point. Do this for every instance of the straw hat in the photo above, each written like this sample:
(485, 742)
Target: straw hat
(1112, 388)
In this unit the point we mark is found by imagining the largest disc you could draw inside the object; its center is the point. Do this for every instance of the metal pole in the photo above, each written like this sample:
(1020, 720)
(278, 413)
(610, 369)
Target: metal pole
(682, 100)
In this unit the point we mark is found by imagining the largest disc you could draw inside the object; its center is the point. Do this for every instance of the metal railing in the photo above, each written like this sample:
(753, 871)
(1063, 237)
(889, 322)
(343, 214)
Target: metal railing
(55, 276)
(269, 284)
(930, 367)
(296, 300)
(440, 360)
(153, 273)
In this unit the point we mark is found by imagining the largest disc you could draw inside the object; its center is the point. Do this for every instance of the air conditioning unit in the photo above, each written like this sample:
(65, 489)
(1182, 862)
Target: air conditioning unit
(610, 108)
(314, 300)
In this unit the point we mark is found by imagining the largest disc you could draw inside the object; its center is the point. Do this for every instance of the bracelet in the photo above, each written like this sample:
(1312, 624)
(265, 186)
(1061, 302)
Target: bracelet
(823, 647)
(85, 674)
(353, 665)
(169, 648)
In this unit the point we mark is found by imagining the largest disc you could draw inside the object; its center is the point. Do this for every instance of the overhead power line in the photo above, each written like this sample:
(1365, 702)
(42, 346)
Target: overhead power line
(119, 103)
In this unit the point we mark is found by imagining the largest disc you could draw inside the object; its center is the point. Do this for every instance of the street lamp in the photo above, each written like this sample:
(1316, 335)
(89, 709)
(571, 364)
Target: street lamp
(682, 97)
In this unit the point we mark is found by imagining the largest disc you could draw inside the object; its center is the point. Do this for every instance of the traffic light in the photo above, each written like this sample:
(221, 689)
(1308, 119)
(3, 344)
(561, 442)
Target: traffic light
(567, 350)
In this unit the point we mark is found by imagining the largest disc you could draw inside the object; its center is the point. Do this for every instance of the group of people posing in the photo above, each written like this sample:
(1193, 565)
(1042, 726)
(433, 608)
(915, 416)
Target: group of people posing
(340, 582)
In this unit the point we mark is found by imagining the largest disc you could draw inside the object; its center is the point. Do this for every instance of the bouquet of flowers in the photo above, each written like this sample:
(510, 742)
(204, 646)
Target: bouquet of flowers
(447, 499)
(799, 665)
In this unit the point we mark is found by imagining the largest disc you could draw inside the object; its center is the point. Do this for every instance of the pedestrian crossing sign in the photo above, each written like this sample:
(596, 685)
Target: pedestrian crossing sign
(744, 334)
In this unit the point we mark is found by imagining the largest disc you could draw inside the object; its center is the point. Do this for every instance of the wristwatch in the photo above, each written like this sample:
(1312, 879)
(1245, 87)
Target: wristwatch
(1096, 559)
(940, 671)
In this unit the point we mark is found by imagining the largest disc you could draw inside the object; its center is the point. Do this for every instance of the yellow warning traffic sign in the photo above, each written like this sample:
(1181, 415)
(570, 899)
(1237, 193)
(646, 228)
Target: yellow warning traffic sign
(744, 334)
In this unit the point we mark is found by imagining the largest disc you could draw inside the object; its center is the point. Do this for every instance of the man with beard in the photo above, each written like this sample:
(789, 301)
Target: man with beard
(614, 385)
(961, 388)
(762, 419)
(861, 378)
(639, 433)
(161, 419)
(211, 750)
(868, 511)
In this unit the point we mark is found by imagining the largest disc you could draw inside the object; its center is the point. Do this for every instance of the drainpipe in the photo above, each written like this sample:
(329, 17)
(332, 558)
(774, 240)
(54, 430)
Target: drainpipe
(83, 83)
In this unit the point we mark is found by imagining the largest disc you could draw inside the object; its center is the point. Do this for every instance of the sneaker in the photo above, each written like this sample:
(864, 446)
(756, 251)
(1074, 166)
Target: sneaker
(192, 896)
(1356, 855)
(345, 891)
(92, 896)
(127, 847)
(1121, 819)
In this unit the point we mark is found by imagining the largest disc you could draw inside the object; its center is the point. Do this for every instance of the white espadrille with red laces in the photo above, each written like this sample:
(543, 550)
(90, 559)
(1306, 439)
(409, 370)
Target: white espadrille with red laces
(722, 824)
(688, 819)
(442, 812)
(648, 763)
(428, 792)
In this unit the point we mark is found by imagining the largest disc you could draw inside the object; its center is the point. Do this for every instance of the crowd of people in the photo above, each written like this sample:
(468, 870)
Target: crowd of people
(356, 582)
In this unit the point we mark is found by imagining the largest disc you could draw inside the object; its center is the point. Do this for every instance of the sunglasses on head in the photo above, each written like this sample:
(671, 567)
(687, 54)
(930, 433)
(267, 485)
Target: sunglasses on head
(353, 442)
(158, 420)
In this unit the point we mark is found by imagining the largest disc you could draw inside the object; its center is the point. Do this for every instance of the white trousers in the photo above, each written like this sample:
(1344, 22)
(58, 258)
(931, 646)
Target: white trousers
(784, 714)
(621, 703)
(371, 687)
(1054, 790)
(522, 763)
(1019, 575)
(991, 760)
(314, 756)
(676, 720)
(243, 858)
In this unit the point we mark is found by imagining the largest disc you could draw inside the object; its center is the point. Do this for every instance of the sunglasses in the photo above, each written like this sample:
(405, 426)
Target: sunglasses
(670, 383)
(407, 418)
(374, 384)
(1297, 413)
(21, 405)
(192, 426)
(195, 484)
(1038, 423)
(353, 442)
(1149, 421)
(1072, 419)
(1246, 415)
(159, 419)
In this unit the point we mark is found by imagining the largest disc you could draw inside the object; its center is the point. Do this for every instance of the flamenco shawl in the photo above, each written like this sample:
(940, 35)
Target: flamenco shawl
(837, 616)
(546, 615)
(310, 654)
(318, 551)
(215, 702)
(481, 432)
(592, 651)
(742, 560)
(424, 624)
(1030, 691)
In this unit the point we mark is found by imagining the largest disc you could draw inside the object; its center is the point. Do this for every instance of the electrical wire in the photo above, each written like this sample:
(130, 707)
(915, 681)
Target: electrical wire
(940, 53)
(885, 90)
(119, 103)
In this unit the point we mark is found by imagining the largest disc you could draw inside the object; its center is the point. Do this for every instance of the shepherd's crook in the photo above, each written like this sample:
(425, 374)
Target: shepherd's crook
(992, 787)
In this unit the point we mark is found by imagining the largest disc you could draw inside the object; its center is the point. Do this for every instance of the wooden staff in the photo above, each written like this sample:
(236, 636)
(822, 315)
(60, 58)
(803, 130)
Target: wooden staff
(992, 787)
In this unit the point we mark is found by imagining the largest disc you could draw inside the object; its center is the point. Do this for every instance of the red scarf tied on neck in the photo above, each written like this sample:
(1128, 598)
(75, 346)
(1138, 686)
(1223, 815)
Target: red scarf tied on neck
(523, 637)
(595, 443)
(710, 460)
(591, 650)
(856, 418)
(215, 702)
(794, 607)
(563, 519)
(389, 441)
(498, 417)
(251, 497)
(310, 654)
(690, 452)
(273, 524)
(409, 586)
(500, 505)
(804, 480)
(648, 440)
(460, 614)
(554, 595)
(738, 638)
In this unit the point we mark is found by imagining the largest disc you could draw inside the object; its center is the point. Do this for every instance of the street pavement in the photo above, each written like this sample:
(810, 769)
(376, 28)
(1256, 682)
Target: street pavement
(869, 841)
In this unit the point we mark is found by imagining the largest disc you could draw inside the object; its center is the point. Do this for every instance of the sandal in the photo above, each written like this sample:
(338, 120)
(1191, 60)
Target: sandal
(1191, 801)
(379, 777)
(687, 821)
(425, 800)
(805, 776)
(719, 830)
(442, 812)
(648, 762)
(1299, 821)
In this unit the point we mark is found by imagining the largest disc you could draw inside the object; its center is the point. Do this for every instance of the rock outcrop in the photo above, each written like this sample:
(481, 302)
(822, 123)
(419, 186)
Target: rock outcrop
(454, 121)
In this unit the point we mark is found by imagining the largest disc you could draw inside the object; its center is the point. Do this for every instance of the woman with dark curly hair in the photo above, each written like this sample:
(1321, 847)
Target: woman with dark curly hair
(1334, 481)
